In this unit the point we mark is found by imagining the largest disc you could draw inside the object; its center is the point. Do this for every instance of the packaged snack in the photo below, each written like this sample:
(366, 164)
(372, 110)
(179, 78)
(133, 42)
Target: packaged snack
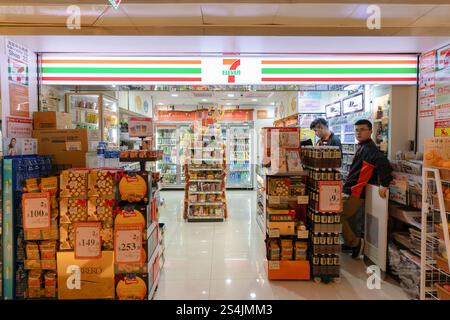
(32, 264)
(134, 186)
(73, 184)
(301, 248)
(192, 198)
(274, 250)
(50, 184)
(286, 249)
(31, 185)
(34, 279)
(101, 183)
(202, 198)
(124, 154)
(73, 210)
(33, 293)
(48, 264)
(100, 209)
(32, 251)
(106, 234)
(131, 214)
(131, 286)
(48, 250)
(50, 284)
(52, 233)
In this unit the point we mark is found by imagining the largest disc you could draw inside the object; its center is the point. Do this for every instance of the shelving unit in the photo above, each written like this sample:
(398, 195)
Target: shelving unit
(205, 198)
(435, 213)
(166, 140)
(239, 157)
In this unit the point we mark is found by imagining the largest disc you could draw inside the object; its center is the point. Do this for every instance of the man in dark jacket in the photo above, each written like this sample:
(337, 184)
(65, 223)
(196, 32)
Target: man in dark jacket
(369, 166)
(327, 138)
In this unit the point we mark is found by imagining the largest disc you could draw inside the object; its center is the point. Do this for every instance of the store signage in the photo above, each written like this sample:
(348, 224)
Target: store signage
(19, 100)
(274, 233)
(128, 243)
(61, 69)
(18, 79)
(36, 211)
(302, 199)
(443, 58)
(87, 240)
(140, 127)
(19, 127)
(16, 51)
(330, 196)
(115, 3)
(427, 62)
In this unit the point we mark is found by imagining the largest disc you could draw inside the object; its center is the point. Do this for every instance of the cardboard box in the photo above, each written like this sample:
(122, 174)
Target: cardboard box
(74, 159)
(85, 279)
(52, 142)
(285, 227)
(52, 120)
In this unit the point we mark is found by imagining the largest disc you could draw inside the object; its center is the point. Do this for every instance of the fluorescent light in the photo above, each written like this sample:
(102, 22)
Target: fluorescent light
(228, 103)
(231, 95)
(160, 103)
(252, 295)
(254, 99)
(204, 100)
(272, 103)
(174, 94)
(228, 281)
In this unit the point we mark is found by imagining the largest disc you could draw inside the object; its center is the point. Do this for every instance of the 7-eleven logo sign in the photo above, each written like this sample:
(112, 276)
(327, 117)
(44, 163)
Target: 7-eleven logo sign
(232, 71)
(115, 3)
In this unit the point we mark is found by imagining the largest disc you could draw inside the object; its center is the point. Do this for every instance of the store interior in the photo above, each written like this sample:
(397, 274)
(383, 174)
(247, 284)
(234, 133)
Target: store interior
(225, 260)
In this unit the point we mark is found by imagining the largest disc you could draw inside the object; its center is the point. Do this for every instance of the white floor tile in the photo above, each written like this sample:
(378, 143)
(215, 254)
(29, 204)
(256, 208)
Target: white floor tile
(226, 260)
(241, 289)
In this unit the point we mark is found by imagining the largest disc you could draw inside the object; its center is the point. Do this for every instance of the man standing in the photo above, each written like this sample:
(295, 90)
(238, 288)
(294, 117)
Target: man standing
(369, 166)
(327, 138)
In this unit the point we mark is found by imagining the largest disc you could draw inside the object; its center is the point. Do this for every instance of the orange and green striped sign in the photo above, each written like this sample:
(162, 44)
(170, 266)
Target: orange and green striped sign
(119, 70)
(302, 69)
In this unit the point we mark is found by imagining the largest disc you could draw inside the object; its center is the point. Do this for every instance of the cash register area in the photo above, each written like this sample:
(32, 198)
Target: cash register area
(225, 260)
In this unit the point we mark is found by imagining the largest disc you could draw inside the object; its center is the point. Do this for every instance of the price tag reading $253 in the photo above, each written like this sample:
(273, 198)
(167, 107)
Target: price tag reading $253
(128, 243)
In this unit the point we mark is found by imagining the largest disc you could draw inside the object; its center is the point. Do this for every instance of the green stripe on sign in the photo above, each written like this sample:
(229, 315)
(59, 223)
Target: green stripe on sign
(123, 70)
(337, 70)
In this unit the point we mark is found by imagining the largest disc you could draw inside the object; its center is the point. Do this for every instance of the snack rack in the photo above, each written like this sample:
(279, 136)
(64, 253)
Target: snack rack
(435, 242)
(205, 172)
(325, 207)
(285, 204)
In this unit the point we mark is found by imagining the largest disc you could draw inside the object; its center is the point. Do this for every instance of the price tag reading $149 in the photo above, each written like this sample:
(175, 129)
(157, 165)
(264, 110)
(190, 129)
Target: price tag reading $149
(87, 240)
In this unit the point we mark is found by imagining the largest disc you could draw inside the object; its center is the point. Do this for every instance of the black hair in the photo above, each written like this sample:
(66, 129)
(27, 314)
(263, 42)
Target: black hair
(364, 122)
(317, 121)
(10, 143)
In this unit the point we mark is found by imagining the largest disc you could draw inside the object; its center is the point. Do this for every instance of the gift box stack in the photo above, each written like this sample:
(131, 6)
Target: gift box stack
(136, 209)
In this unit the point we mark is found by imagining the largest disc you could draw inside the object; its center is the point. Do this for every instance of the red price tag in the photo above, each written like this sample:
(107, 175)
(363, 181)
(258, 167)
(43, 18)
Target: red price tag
(88, 240)
(36, 211)
(128, 243)
(330, 196)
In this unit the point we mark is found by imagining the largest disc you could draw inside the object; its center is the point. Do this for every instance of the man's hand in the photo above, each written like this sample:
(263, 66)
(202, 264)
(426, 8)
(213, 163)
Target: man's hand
(382, 192)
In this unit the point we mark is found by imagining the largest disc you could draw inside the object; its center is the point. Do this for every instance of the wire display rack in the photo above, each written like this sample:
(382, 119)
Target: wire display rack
(434, 214)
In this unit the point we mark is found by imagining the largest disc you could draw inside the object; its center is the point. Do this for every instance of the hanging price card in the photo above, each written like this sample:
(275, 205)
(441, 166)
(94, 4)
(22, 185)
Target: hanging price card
(302, 199)
(128, 243)
(330, 196)
(36, 211)
(87, 240)
(274, 233)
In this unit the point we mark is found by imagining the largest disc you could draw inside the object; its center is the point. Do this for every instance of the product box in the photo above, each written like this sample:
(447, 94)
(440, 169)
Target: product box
(51, 120)
(73, 184)
(285, 227)
(73, 210)
(85, 279)
(67, 237)
(54, 141)
(130, 213)
(134, 186)
(20, 146)
(100, 209)
(102, 183)
(301, 250)
(437, 152)
(132, 286)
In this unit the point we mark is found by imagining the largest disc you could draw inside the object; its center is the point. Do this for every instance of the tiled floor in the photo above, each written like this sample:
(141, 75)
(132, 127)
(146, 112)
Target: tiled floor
(225, 260)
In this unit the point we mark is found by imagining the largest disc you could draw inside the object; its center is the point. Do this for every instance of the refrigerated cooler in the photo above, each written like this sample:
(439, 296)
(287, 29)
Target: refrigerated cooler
(239, 142)
(172, 138)
(97, 112)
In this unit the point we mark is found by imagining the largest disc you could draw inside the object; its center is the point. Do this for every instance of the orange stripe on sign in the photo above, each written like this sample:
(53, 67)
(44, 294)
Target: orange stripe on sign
(338, 62)
(229, 61)
(124, 61)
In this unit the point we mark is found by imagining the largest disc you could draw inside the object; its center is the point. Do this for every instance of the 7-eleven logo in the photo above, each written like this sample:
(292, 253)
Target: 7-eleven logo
(231, 72)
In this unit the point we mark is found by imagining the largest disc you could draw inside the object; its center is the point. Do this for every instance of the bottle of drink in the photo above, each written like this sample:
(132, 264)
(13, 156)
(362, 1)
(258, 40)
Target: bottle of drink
(100, 155)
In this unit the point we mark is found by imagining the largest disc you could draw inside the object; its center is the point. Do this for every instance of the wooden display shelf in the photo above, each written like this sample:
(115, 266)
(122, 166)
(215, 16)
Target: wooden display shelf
(288, 270)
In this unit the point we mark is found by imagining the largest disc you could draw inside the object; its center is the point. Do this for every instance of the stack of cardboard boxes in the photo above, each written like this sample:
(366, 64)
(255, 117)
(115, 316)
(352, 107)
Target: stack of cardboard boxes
(66, 146)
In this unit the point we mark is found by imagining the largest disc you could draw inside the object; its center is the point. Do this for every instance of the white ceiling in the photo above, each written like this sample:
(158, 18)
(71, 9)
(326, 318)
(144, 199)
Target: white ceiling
(225, 18)
(228, 44)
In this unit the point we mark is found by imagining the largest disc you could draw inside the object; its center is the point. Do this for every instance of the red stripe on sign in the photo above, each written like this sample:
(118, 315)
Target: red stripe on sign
(120, 79)
(340, 79)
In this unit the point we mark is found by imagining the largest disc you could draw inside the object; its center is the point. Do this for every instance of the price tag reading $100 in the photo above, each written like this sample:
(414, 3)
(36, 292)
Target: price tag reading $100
(87, 240)
(36, 211)
(128, 244)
